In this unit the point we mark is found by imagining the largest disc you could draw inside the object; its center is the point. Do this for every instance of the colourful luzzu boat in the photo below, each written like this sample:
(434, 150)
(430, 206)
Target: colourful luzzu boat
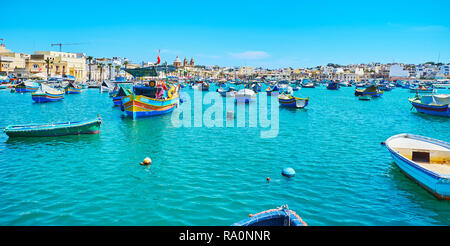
(282, 216)
(73, 89)
(372, 91)
(333, 86)
(273, 90)
(151, 100)
(290, 101)
(55, 129)
(123, 91)
(424, 160)
(46, 93)
(26, 86)
(432, 104)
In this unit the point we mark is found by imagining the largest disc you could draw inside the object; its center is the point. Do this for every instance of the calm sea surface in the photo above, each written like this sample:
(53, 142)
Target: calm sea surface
(215, 176)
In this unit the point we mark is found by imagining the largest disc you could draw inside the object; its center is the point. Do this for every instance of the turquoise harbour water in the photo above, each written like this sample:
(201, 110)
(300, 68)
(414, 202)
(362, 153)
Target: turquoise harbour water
(215, 176)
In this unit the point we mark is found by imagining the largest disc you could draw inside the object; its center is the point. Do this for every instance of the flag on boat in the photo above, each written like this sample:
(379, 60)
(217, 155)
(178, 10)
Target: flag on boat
(159, 59)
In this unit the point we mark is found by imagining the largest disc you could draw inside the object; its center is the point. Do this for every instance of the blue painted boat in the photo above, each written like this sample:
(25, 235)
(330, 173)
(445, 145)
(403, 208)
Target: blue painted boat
(332, 86)
(273, 90)
(372, 91)
(282, 216)
(425, 160)
(290, 101)
(26, 86)
(432, 104)
(46, 93)
(73, 89)
(150, 100)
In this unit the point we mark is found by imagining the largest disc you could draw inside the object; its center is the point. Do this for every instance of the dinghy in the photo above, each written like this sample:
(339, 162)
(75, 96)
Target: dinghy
(432, 104)
(290, 101)
(424, 160)
(282, 216)
(364, 98)
(55, 129)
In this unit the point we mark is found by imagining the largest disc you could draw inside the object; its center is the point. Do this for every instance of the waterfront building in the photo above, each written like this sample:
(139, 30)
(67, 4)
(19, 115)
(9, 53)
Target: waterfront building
(12, 62)
(62, 64)
(396, 71)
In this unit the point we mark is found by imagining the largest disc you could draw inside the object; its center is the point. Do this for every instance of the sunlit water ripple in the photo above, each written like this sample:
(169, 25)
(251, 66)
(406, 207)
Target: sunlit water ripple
(215, 176)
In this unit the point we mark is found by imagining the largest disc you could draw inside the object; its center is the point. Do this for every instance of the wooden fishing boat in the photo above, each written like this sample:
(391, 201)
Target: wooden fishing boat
(47, 94)
(308, 85)
(424, 160)
(245, 96)
(432, 104)
(273, 90)
(422, 90)
(71, 88)
(55, 129)
(151, 100)
(332, 86)
(230, 92)
(282, 216)
(26, 86)
(290, 101)
(369, 91)
(106, 87)
(123, 91)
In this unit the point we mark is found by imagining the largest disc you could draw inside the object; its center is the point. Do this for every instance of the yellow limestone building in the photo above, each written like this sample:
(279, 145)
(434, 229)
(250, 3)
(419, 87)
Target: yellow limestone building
(11, 61)
(63, 63)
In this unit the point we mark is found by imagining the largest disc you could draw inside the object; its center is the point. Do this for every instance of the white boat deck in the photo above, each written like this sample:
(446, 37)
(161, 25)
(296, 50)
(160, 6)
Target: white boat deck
(437, 168)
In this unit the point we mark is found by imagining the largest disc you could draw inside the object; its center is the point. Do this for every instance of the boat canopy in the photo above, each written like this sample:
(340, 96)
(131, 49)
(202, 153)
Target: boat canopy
(142, 72)
(440, 99)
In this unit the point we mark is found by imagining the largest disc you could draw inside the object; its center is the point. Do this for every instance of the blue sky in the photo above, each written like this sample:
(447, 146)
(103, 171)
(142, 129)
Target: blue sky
(270, 34)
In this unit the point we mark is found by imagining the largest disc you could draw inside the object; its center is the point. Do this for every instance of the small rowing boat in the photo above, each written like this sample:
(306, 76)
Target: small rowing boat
(290, 101)
(425, 160)
(55, 129)
(282, 216)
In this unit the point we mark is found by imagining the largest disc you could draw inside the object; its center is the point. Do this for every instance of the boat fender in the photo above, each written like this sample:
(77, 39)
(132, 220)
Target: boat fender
(288, 172)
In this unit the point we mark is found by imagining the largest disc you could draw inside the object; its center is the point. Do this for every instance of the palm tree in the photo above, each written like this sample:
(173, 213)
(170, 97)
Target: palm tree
(48, 61)
(100, 66)
(125, 64)
(89, 59)
(117, 69)
(110, 72)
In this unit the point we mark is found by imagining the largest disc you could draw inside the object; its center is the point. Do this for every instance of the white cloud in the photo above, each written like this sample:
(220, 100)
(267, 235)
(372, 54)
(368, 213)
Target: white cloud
(250, 55)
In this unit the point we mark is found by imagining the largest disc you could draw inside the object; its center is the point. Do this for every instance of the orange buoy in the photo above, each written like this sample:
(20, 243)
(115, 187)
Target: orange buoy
(268, 179)
(147, 161)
